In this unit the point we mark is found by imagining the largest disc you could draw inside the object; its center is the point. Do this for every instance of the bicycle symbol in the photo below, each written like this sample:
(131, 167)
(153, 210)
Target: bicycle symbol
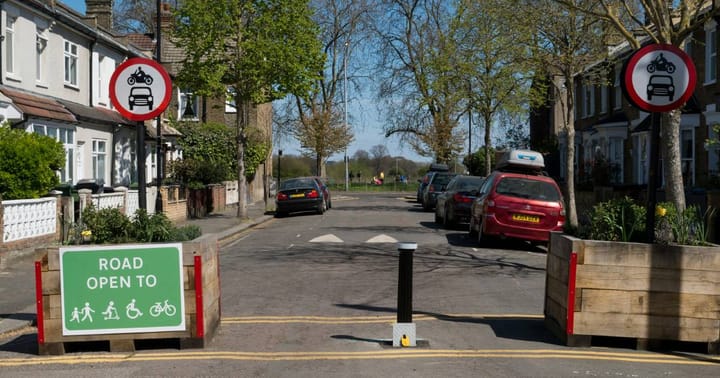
(159, 308)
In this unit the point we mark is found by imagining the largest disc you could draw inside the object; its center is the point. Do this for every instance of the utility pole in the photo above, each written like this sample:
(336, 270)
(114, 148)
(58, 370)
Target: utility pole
(159, 156)
(347, 183)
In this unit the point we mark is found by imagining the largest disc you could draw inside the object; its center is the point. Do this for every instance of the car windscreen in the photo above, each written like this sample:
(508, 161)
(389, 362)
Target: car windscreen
(295, 184)
(528, 189)
(469, 183)
(440, 179)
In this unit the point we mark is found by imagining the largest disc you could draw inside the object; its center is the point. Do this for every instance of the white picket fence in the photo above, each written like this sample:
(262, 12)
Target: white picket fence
(29, 218)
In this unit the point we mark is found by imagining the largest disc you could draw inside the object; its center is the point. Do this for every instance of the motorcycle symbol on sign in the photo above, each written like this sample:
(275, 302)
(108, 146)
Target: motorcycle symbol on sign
(139, 76)
(661, 64)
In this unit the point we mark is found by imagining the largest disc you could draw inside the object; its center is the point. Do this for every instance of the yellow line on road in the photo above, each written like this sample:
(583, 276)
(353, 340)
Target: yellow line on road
(638, 357)
(367, 319)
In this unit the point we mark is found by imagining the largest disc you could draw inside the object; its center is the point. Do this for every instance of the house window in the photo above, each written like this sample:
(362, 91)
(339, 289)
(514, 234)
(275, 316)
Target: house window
(640, 158)
(710, 52)
(616, 160)
(604, 99)
(99, 156)
(230, 106)
(617, 97)
(188, 105)
(67, 138)
(41, 42)
(687, 156)
(588, 100)
(71, 61)
(10, 44)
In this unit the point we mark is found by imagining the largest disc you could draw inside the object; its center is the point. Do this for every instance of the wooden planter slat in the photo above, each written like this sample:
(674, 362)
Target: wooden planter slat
(206, 247)
(642, 291)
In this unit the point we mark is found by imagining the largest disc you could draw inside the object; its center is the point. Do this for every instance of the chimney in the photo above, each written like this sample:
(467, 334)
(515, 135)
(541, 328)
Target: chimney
(166, 19)
(102, 11)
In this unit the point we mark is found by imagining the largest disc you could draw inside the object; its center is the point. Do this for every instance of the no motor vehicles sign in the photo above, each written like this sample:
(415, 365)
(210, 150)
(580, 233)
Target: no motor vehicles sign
(140, 89)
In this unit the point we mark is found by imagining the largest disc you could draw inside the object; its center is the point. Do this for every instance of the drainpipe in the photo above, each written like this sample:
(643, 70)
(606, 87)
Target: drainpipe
(2, 40)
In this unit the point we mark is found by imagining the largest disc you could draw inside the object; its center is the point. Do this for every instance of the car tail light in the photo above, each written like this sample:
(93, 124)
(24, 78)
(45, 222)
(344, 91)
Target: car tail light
(282, 197)
(312, 194)
(431, 188)
(461, 198)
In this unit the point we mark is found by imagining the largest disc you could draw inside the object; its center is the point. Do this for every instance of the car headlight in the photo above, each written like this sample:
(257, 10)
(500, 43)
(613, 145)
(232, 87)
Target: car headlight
(671, 88)
(650, 88)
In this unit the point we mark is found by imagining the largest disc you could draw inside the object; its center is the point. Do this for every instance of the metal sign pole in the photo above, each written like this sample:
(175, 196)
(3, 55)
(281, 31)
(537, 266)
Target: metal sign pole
(140, 158)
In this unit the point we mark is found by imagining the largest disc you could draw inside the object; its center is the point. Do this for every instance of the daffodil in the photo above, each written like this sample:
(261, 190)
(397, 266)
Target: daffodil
(660, 211)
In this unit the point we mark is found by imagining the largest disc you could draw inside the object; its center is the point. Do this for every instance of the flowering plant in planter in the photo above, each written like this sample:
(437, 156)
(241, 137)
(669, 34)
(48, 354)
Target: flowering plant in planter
(623, 219)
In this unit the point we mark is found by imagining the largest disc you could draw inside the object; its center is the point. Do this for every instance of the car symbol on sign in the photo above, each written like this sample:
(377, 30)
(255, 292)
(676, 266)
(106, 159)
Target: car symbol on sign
(660, 85)
(140, 96)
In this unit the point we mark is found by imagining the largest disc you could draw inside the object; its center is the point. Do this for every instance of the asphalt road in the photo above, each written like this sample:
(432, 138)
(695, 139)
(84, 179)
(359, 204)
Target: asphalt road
(316, 296)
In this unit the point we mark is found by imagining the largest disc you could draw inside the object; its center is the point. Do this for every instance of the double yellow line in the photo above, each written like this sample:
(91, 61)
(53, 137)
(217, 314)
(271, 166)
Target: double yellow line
(639, 357)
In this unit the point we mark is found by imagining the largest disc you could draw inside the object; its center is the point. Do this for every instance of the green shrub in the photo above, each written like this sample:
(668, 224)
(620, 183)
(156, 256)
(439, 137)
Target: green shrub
(685, 228)
(617, 220)
(28, 162)
(110, 226)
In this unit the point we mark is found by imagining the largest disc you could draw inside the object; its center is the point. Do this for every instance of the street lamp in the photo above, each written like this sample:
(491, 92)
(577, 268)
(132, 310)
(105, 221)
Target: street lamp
(347, 183)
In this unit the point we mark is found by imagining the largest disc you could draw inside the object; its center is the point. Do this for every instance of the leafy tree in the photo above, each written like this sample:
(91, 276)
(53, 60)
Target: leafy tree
(659, 21)
(257, 50)
(205, 161)
(475, 163)
(565, 43)
(417, 54)
(317, 118)
(492, 61)
(28, 162)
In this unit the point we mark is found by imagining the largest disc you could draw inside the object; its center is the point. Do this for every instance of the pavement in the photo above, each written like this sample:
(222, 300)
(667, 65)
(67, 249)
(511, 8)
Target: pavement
(225, 225)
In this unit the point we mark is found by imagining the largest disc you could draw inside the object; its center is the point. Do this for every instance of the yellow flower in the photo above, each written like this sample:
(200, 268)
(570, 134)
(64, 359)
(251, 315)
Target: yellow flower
(86, 233)
(660, 211)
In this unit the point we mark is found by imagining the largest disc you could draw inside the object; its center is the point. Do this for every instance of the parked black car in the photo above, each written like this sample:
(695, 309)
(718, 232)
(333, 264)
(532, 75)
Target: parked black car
(423, 182)
(437, 184)
(453, 205)
(300, 194)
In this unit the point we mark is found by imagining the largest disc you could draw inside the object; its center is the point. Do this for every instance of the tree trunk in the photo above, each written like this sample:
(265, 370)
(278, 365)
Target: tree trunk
(488, 157)
(672, 169)
(241, 123)
(571, 208)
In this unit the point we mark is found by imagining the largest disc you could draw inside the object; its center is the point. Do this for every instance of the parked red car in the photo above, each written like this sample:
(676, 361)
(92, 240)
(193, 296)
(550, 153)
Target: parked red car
(518, 201)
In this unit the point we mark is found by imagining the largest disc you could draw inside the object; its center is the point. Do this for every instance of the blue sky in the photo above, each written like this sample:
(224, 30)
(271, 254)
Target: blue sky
(362, 115)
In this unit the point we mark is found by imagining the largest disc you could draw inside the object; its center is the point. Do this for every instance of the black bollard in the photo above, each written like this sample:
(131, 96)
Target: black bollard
(405, 282)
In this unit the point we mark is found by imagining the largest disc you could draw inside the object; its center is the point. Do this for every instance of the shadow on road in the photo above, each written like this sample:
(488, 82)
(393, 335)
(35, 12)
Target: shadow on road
(514, 328)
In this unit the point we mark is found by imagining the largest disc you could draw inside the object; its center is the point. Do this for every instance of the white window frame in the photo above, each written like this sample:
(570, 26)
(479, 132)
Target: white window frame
(10, 22)
(70, 59)
(588, 100)
(183, 96)
(66, 136)
(710, 52)
(41, 43)
(99, 159)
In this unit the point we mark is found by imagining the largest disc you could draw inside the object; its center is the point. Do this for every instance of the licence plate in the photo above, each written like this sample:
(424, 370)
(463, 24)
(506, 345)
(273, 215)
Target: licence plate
(526, 218)
(297, 195)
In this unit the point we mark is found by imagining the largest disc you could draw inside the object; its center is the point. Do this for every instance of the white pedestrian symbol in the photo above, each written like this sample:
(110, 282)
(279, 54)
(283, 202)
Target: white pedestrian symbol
(132, 312)
(111, 312)
(75, 315)
(86, 312)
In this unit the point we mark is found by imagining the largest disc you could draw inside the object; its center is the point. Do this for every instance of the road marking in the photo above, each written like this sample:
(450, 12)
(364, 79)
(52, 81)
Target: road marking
(367, 319)
(328, 238)
(396, 353)
(382, 238)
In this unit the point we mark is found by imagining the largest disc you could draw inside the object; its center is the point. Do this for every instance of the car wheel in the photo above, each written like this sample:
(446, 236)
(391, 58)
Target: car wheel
(280, 214)
(321, 208)
(329, 204)
(449, 220)
(481, 237)
(471, 229)
(438, 219)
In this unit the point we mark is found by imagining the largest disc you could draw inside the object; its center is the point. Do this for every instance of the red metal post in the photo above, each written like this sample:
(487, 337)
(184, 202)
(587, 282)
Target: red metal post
(200, 316)
(39, 302)
(571, 294)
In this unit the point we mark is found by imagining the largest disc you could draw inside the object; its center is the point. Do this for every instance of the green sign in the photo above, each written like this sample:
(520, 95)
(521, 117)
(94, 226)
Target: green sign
(122, 289)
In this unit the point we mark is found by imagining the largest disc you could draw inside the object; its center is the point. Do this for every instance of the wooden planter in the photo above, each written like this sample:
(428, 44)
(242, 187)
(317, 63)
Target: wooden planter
(201, 280)
(648, 292)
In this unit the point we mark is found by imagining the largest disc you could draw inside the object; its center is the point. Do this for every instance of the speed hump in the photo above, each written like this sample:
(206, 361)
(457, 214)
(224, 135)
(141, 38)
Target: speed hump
(659, 78)
(140, 89)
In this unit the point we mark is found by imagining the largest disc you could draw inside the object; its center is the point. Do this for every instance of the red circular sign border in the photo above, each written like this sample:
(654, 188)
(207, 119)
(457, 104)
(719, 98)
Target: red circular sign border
(163, 105)
(644, 105)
